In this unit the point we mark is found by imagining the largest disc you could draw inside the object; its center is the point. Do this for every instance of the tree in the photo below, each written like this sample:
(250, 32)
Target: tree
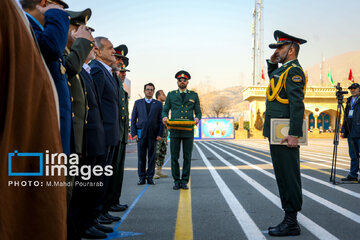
(219, 107)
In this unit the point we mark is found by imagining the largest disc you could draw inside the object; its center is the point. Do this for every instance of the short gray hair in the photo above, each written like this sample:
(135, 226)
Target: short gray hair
(98, 42)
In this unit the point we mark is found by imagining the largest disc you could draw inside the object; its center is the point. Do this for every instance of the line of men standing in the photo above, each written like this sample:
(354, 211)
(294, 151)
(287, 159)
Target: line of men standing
(94, 119)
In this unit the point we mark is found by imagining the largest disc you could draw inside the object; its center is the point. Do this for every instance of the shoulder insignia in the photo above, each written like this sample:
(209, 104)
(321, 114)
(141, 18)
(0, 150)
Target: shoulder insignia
(296, 78)
(192, 100)
(294, 65)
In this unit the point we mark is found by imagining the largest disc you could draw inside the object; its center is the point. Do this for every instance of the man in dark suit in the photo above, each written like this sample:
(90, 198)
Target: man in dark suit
(147, 128)
(108, 94)
(113, 194)
(51, 24)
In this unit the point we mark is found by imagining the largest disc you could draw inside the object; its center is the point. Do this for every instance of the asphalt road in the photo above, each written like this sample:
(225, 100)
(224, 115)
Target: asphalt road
(233, 195)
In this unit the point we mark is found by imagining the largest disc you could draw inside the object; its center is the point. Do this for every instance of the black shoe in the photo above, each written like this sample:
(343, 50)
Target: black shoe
(103, 228)
(176, 186)
(349, 178)
(93, 233)
(288, 227)
(123, 205)
(117, 208)
(141, 181)
(150, 181)
(113, 218)
(104, 220)
(184, 186)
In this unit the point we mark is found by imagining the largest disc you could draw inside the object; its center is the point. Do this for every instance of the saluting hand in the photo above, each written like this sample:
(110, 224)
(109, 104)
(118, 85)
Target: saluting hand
(50, 6)
(82, 32)
(292, 142)
(274, 58)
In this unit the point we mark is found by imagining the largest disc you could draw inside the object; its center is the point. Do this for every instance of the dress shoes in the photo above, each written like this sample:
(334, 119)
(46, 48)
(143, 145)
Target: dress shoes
(150, 181)
(104, 220)
(184, 186)
(117, 208)
(103, 228)
(111, 217)
(93, 233)
(176, 186)
(141, 181)
(124, 205)
(288, 227)
(349, 178)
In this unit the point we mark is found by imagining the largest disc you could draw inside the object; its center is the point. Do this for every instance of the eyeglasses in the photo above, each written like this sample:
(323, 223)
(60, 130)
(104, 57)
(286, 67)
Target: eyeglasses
(149, 89)
(182, 80)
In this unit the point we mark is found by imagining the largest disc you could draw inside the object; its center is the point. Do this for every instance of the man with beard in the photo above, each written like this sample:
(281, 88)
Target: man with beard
(183, 103)
(284, 99)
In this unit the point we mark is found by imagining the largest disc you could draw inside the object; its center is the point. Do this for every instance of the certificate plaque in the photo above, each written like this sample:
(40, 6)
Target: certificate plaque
(280, 129)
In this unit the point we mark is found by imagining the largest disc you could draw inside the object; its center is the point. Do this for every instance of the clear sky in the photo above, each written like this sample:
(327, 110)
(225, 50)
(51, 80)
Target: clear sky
(212, 39)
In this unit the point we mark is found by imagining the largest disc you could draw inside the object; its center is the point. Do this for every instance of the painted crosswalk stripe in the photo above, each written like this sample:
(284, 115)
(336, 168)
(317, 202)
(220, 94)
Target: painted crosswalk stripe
(346, 213)
(247, 224)
(330, 185)
(313, 227)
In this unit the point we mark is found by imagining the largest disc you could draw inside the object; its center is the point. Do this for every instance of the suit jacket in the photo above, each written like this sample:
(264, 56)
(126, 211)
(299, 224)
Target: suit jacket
(293, 92)
(182, 110)
(151, 125)
(74, 59)
(52, 42)
(353, 123)
(94, 129)
(123, 110)
(108, 93)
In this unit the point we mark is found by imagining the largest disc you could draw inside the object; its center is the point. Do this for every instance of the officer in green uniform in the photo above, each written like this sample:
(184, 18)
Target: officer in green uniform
(284, 99)
(79, 45)
(77, 49)
(183, 104)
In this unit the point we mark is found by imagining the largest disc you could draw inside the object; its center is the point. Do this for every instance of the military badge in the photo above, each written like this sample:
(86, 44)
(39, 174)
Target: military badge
(296, 78)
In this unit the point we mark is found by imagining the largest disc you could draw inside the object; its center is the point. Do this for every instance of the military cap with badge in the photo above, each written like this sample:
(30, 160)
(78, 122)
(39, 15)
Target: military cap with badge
(59, 2)
(183, 75)
(284, 39)
(121, 51)
(80, 18)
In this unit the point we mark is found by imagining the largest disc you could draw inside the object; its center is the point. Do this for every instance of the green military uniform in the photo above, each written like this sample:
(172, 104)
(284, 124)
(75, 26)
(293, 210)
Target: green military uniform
(285, 96)
(183, 106)
(74, 59)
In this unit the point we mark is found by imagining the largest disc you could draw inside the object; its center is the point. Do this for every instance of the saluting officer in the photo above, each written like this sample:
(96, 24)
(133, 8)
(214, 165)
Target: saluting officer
(284, 99)
(183, 103)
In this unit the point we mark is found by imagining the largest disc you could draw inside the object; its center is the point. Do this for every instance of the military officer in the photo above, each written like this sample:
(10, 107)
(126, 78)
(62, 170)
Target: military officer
(284, 99)
(183, 104)
(52, 42)
(80, 43)
(161, 146)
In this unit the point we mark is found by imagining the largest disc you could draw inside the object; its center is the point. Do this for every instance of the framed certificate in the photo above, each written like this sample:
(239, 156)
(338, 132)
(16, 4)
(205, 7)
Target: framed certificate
(280, 128)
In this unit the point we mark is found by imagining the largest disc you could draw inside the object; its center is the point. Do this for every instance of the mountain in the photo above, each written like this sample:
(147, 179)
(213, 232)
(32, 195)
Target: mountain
(340, 66)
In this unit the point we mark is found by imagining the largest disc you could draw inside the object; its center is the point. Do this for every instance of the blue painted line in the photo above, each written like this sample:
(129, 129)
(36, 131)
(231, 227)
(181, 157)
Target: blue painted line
(168, 158)
(117, 234)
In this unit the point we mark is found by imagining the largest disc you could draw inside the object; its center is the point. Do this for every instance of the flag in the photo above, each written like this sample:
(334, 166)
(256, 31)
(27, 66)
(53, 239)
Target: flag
(262, 74)
(351, 77)
(330, 78)
(307, 76)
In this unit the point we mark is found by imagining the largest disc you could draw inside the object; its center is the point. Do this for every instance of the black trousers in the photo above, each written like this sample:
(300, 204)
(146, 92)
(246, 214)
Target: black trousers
(116, 180)
(146, 146)
(81, 213)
